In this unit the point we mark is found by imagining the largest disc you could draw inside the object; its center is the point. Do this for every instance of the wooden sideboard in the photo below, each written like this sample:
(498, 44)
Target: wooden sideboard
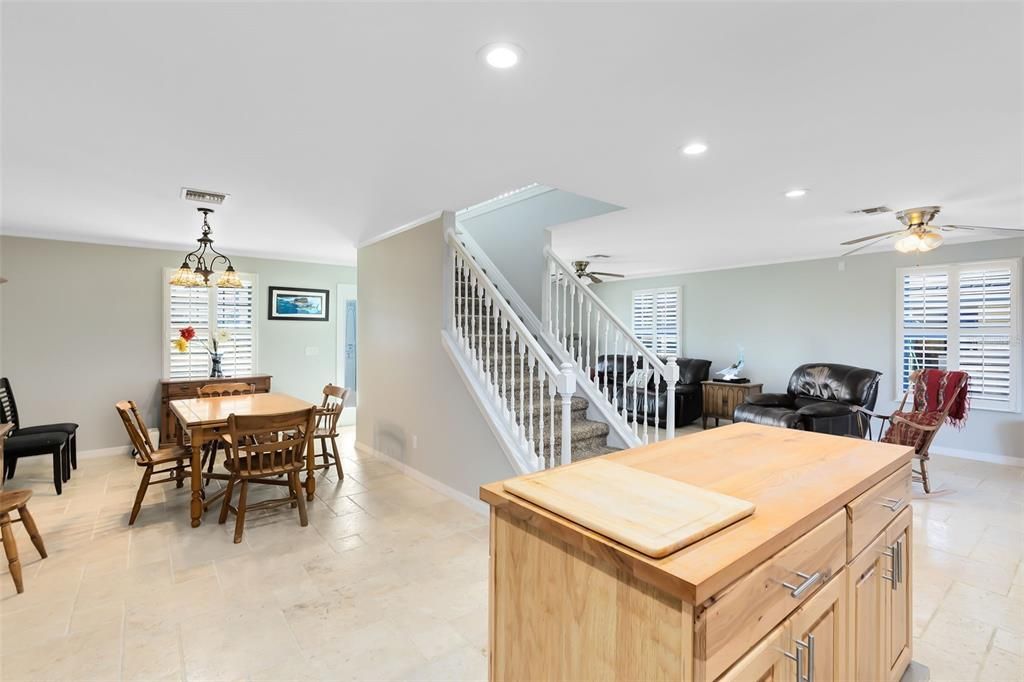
(815, 585)
(174, 389)
(721, 398)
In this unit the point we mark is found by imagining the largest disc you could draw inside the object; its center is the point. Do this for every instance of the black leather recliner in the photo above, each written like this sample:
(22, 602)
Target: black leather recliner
(651, 406)
(819, 398)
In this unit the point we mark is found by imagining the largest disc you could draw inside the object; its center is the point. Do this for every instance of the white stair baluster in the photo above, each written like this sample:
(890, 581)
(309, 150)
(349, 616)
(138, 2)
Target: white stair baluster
(670, 396)
(522, 390)
(533, 365)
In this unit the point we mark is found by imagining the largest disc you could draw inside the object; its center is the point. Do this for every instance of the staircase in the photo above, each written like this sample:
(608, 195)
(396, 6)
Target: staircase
(533, 379)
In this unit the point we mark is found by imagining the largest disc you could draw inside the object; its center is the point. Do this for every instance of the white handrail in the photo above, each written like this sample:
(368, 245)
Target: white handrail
(509, 360)
(570, 322)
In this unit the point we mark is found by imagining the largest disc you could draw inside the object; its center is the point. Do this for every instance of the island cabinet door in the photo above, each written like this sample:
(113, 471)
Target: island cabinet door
(869, 578)
(898, 604)
(766, 662)
(818, 633)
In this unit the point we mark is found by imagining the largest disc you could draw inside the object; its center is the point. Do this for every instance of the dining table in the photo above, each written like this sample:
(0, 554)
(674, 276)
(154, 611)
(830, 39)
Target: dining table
(205, 419)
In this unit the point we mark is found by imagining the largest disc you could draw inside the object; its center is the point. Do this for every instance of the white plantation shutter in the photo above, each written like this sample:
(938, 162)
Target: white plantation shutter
(235, 315)
(656, 319)
(209, 310)
(965, 316)
(986, 317)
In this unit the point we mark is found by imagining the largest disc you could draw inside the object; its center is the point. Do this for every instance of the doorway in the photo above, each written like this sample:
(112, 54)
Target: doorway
(347, 326)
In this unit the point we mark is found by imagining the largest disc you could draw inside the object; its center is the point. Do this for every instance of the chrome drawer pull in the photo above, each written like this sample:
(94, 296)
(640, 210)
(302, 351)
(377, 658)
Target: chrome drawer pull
(893, 504)
(810, 658)
(809, 582)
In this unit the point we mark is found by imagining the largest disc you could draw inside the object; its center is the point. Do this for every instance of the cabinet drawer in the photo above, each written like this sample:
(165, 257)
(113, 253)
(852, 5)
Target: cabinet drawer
(176, 391)
(755, 604)
(870, 513)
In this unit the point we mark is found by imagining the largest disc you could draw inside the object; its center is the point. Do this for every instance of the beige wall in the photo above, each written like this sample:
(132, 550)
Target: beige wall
(788, 314)
(413, 405)
(82, 327)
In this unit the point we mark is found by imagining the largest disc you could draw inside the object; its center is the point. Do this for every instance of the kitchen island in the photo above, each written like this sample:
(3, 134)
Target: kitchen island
(815, 585)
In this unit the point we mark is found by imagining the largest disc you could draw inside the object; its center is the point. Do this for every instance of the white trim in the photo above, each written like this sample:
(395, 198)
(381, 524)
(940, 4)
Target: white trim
(494, 419)
(654, 291)
(504, 287)
(123, 450)
(978, 456)
(212, 320)
(179, 247)
(398, 230)
(502, 200)
(875, 251)
(952, 327)
(478, 506)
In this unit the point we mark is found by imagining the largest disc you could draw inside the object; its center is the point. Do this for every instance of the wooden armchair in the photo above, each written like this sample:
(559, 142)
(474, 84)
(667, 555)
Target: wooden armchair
(936, 396)
(262, 448)
(10, 501)
(167, 461)
(327, 416)
(219, 391)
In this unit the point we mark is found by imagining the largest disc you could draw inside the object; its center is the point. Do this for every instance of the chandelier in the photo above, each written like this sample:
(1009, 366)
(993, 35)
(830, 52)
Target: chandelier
(195, 270)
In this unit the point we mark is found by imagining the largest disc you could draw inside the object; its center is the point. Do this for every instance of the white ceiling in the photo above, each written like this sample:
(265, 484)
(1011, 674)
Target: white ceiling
(332, 123)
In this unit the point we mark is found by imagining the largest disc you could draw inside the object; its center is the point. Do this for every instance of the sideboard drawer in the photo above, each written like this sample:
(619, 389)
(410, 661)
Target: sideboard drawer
(750, 608)
(875, 509)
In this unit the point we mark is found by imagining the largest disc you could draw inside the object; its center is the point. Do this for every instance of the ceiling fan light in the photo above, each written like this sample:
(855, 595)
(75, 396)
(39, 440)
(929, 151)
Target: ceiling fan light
(908, 244)
(930, 240)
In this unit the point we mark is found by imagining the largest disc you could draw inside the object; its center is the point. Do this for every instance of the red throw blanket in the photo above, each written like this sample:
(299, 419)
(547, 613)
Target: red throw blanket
(934, 389)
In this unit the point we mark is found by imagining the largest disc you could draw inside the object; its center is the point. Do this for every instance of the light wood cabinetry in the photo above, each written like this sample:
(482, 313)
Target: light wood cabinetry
(720, 398)
(749, 602)
(899, 607)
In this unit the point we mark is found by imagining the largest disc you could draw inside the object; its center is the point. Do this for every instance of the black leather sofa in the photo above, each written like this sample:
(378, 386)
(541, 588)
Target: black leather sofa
(614, 371)
(819, 398)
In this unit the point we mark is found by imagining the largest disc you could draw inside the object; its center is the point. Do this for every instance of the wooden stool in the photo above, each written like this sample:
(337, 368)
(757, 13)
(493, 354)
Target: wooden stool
(9, 501)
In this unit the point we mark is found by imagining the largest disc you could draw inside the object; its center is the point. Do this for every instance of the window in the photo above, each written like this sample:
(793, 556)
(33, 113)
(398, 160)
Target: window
(210, 311)
(656, 319)
(965, 316)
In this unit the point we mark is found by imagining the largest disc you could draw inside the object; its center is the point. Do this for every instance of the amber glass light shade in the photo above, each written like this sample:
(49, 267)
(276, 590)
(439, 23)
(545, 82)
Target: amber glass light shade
(184, 277)
(230, 279)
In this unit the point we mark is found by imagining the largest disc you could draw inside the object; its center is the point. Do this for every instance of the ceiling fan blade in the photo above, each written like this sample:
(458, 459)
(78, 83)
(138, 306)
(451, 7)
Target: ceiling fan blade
(982, 227)
(870, 237)
(594, 279)
(864, 246)
(607, 274)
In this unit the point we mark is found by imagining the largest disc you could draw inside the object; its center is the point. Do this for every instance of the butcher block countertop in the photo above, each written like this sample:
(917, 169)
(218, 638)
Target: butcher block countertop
(795, 480)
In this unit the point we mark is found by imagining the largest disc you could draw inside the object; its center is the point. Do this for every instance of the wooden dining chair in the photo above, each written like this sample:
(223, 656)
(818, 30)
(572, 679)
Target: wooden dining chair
(268, 449)
(327, 416)
(173, 460)
(219, 391)
(17, 500)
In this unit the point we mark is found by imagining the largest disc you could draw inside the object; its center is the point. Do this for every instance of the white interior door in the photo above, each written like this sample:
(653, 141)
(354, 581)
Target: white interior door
(347, 320)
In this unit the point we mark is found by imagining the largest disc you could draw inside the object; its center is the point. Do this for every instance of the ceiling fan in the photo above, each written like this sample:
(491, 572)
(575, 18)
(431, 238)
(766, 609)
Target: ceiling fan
(581, 272)
(919, 234)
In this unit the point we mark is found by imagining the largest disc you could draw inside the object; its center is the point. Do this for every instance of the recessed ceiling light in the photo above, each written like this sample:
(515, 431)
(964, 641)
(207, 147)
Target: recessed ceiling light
(695, 148)
(796, 193)
(501, 55)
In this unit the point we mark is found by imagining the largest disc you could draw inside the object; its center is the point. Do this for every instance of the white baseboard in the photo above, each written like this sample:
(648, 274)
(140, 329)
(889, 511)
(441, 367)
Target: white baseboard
(479, 506)
(122, 450)
(979, 456)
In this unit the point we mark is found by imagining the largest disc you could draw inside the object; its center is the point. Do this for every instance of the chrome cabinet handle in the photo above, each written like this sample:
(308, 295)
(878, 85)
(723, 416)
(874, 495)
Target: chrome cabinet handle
(809, 645)
(810, 658)
(893, 504)
(796, 657)
(898, 549)
(809, 582)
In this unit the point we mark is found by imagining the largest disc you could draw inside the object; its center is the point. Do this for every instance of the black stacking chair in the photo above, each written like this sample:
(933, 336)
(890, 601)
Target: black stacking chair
(57, 440)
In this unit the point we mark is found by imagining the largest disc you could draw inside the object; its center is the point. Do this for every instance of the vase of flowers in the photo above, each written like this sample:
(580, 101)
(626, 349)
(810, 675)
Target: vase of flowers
(187, 334)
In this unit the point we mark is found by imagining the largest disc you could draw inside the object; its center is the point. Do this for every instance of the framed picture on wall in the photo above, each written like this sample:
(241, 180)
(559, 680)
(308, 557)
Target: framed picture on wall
(296, 303)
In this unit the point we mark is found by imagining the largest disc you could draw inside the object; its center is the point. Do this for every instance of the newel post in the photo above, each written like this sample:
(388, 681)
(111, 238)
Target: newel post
(671, 377)
(566, 388)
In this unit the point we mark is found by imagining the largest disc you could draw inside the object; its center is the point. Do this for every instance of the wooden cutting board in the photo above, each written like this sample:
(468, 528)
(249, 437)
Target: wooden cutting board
(649, 513)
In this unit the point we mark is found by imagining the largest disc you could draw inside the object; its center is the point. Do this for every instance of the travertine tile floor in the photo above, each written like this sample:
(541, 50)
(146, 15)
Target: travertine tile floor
(389, 581)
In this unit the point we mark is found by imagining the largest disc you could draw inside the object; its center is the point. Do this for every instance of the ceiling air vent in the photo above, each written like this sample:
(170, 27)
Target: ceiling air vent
(202, 196)
(872, 211)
